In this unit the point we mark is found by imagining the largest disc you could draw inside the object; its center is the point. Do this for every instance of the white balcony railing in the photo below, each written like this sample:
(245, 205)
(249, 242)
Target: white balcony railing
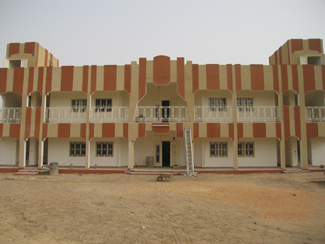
(65, 115)
(315, 114)
(113, 114)
(161, 114)
(213, 114)
(10, 115)
(258, 114)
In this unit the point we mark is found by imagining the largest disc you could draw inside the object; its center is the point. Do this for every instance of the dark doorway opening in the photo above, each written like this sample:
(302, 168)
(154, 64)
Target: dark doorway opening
(165, 111)
(166, 154)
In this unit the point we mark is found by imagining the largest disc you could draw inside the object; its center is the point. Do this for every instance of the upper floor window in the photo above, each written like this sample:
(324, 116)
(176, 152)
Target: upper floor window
(217, 104)
(245, 104)
(246, 149)
(77, 149)
(218, 149)
(103, 105)
(79, 105)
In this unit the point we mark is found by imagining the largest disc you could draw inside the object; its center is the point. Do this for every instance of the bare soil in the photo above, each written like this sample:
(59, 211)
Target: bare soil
(119, 208)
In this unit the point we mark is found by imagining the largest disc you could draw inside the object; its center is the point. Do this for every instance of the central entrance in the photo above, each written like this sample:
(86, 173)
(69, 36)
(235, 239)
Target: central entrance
(166, 154)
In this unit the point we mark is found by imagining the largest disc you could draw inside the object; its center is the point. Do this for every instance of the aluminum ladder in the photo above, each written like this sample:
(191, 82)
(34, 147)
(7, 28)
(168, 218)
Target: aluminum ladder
(188, 151)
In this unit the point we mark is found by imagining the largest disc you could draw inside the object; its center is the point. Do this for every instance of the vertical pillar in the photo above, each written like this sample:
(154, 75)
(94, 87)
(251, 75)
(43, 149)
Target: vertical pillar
(131, 155)
(41, 154)
(87, 139)
(234, 105)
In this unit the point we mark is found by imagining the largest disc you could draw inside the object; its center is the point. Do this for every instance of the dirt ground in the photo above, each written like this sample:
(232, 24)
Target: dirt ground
(119, 208)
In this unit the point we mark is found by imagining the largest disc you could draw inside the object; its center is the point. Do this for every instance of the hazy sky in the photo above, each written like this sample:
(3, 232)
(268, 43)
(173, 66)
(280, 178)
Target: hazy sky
(80, 32)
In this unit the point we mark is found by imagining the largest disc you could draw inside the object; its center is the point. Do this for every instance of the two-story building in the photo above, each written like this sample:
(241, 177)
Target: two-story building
(118, 115)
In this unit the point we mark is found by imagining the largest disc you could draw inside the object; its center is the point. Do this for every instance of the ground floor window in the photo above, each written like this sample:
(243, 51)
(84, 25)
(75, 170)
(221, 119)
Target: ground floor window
(104, 149)
(77, 149)
(246, 149)
(218, 149)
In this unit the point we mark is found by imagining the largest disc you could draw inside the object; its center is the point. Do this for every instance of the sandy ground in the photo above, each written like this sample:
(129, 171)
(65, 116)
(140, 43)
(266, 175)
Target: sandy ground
(118, 208)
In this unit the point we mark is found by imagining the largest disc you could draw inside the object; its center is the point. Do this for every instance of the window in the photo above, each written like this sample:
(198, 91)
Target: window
(217, 104)
(246, 149)
(79, 105)
(103, 105)
(77, 149)
(104, 149)
(245, 104)
(218, 149)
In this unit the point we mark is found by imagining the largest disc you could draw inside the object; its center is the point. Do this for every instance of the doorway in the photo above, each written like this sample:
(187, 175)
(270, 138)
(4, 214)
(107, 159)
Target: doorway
(165, 110)
(166, 154)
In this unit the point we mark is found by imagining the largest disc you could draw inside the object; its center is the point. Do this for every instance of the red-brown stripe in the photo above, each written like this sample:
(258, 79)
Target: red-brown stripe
(276, 78)
(160, 129)
(48, 79)
(30, 48)
(238, 76)
(126, 131)
(28, 122)
(286, 121)
(229, 76)
(14, 48)
(142, 130)
(127, 78)
(3, 79)
(284, 78)
(67, 78)
(297, 121)
(45, 126)
(64, 130)
(108, 130)
(91, 130)
(18, 80)
(180, 77)
(93, 78)
(196, 130)
(195, 74)
(83, 128)
(161, 70)
(296, 45)
(295, 78)
(240, 130)
(14, 131)
(179, 129)
(46, 58)
(309, 77)
(213, 80)
(312, 130)
(37, 122)
(288, 52)
(40, 80)
(259, 130)
(315, 45)
(142, 77)
(1, 129)
(110, 74)
(30, 80)
(213, 130)
(257, 77)
(85, 71)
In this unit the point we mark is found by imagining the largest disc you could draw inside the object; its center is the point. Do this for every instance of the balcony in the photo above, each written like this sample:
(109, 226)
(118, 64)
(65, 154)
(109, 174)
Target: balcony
(315, 114)
(158, 114)
(10, 115)
(65, 115)
(213, 114)
(258, 114)
(115, 114)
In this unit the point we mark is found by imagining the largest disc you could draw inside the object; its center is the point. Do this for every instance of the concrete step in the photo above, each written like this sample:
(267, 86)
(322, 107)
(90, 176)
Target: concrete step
(27, 172)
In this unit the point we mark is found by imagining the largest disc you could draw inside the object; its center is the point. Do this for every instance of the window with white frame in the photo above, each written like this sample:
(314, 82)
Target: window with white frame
(245, 149)
(218, 149)
(103, 105)
(245, 104)
(79, 105)
(217, 104)
(77, 149)
(104, 149)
